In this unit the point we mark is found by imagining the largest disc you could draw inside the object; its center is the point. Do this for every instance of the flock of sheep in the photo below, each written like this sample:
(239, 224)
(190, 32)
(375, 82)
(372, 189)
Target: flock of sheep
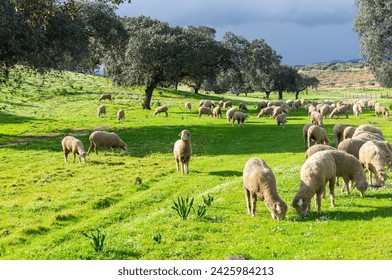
(358, 150)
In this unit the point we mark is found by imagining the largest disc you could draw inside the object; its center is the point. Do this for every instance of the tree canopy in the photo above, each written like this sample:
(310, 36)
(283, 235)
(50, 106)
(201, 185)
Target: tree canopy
(373, 26)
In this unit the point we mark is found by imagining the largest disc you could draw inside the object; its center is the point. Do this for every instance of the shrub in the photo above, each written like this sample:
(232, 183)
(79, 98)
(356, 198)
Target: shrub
(183, 206)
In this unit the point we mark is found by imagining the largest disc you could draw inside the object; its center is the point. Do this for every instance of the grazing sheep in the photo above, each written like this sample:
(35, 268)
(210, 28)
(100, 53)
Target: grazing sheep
(338, 130)
(182, 151)
(227, 104)
(357, 109)
(305, 133)
(348, 132)
(201, 102)
(343, 109)
(311, 109)
(205, 111)
(325, 110)
(373, 158)
(161, 109)
(318, 148)
(316, 172)
(351, 146)
(217, 112)
(101, 111)
(368, 136)
(318, 135)
(188, 106)
(350, 169)
(277, 111)
(105, 96)
(316, 118)
(281, 119)
(266, 111)
(240, 118)
(230, 113)
(381, 110)
(71, 144)
(368, 128)
(208, 104)
(243, 107)
(106, 139)
(120, 115)
(259, 181)
(261, 105)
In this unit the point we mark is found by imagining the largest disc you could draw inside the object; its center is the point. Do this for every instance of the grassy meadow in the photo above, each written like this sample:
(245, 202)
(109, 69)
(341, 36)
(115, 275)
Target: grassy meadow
(47, 206)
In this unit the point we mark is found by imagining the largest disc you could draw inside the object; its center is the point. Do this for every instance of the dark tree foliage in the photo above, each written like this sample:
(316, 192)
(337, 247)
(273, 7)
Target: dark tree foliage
(373, 26)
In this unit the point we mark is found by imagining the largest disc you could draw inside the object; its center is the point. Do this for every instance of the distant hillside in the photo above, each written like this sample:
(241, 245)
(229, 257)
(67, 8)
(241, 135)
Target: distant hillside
(341, 75)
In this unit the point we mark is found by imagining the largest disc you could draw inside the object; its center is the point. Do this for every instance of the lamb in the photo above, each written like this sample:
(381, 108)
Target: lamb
(316, 118)
(243, 107)
(305, 133)
(373, 158)
(120, 115)
(351, 146)
(161, 109)
(105, 96)
(182, 151)
(205, 111)
(71, 144)
(368, 128)
(318, 135)
(343, 109)
(106, 139)
(381, 110)
(266, 111)
(101, 110)
(230, 113)
(316, 172)
(217, 112)
(348, 132)
(338, 130)
(188, 106)
(317, 148)
(281, 119)
(240, 118)
(350, 169)
(259, 181)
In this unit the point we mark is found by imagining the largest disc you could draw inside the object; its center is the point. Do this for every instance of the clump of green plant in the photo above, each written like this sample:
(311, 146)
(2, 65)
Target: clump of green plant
(96, 240)
(183, 206)
(208, 200)
(201, 210)
(157, 238)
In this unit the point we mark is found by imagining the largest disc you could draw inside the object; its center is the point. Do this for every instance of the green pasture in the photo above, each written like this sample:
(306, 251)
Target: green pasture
(46, 205)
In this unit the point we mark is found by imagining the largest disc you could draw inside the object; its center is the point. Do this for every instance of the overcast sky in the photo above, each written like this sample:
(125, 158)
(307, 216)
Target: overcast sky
(302, 31)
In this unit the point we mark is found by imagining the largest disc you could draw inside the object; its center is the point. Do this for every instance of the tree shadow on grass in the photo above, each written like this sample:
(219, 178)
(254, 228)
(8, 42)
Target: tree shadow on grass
(225, 173)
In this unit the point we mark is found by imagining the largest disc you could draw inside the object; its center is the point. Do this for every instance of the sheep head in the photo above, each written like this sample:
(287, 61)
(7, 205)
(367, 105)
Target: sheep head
(278, 210)
(185, 135)
(301, 205)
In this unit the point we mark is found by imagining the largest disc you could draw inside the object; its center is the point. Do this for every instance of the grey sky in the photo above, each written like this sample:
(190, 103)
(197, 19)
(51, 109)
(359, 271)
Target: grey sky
(302, 31)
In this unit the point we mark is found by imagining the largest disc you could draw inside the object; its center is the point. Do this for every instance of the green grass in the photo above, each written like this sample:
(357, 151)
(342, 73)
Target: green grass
(46, 205)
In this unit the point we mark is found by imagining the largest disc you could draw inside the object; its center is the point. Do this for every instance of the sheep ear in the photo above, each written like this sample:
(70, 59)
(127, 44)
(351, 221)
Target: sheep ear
(278, 209)
(300, 202)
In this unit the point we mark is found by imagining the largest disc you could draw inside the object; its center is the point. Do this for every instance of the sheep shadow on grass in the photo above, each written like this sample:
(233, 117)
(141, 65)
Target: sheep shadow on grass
(226, 173)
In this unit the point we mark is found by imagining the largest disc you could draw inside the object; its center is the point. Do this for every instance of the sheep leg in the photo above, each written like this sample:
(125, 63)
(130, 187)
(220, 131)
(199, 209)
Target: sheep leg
(186, 167)
(247, 198)
(74, 154)
(89, 148)
(318, 201)
(332, 191)
(177, 165)
(66, 155)
(254, 200)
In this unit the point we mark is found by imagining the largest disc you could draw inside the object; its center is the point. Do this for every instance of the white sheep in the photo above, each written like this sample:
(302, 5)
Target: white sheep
(120, 115)
(316, 118)
(367, 128)
(277, 111)
(357, 109)
(243, 107)
(348, 132)
(351, 146)
(101, 110)
(259, 182)
(230, 113)
(106, 139)
(373, 158)
(317, 148)
(205, 111)
(338, 130)
(182, 151)
(71, 144)
(343, 109)
(266, 111)
(350, 169)
(317, 135)
(217, 112)
(368, 136)
(305, 133)
(261, 105)
(161, 109)
(105, 97)
(281, 119)
(188, 106)
(316, 172)
(240, 118)
(381, 110)
(227, 104)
